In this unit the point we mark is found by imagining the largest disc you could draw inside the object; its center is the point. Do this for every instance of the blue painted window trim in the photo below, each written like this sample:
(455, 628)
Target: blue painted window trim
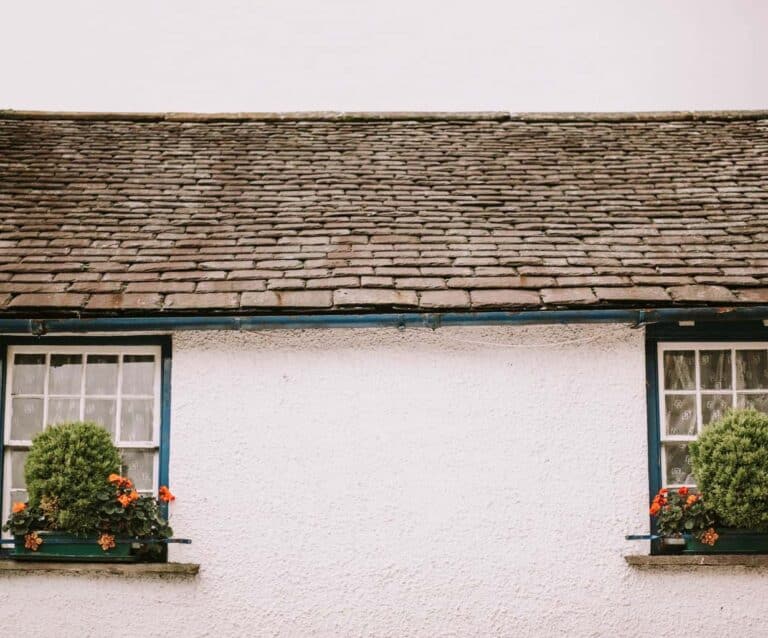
(165, 385)
(660, 333)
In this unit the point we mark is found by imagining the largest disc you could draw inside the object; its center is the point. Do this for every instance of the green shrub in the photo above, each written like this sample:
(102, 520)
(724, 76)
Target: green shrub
(730, 464)
(68, 465)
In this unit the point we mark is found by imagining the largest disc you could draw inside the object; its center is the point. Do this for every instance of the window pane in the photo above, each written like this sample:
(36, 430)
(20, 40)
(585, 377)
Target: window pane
(18, 458)
(65, 374)
(713, 407)
(757, 402)
(102, 411)
(751, 369)
(26, 418)
(715, 369)
(19, 496)
(678, 464)
(63, 411)
(101, 374)
(680, 414)
(136, 420)
(28, 374)
(138, 374)
(679, 373)
(138, 465)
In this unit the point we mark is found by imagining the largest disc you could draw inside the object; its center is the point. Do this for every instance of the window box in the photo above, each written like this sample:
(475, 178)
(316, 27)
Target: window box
(731, 541)
(56, 546)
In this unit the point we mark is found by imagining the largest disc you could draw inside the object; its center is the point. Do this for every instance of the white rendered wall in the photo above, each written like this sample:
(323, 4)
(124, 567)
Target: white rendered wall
(376, 482)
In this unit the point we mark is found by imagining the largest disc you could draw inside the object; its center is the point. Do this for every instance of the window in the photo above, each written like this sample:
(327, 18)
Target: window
(119, 387)
(697, 383)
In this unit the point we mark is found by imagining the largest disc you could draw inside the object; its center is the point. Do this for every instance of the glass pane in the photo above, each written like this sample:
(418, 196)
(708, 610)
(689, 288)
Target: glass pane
(28, 374)
(757, 402)
(65, 374)
(138, 374)
(679, 372)
(19, 496)
(138, 465)
(715, 369)
(751, 369)
(26, 418)
(680, 414)
(678, 464)
(101, 374)
(102, 411)
(136, 420)
(18, 458)
(713, 407)
(63, 411)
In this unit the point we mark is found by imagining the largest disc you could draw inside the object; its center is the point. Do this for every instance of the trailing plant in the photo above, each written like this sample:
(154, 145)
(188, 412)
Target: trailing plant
(123, 512)
(24, 519)
(66, 468)
(730, 464)
(683, 512)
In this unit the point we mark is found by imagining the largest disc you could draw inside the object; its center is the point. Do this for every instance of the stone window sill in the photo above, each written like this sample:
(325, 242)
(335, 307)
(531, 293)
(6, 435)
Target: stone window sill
(127, 570)
(696, 561)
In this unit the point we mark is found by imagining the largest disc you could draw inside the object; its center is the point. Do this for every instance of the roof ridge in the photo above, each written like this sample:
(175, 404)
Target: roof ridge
(366, 116)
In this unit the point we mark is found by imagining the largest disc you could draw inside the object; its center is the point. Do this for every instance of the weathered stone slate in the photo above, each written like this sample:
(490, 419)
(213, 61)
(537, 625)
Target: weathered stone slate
(147, 214)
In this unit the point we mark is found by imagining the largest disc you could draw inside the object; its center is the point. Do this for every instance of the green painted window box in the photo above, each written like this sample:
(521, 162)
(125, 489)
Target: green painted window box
(67, 547)
(731, 541)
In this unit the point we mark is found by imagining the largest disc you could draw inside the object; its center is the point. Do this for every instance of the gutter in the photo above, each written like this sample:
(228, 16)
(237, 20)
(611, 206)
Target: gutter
(634, 317)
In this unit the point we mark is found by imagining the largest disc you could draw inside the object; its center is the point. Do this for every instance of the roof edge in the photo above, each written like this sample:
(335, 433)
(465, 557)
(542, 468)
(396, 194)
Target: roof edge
(636, 317)
(373, 116)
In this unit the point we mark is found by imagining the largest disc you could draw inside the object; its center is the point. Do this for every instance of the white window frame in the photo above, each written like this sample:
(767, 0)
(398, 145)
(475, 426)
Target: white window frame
(733, 392)
(11, 445)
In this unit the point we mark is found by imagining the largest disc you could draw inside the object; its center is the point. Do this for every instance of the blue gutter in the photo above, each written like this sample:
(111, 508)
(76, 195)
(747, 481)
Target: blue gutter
(396, 320)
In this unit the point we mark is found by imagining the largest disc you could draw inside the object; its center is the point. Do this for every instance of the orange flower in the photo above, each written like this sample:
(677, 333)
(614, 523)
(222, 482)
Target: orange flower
(124, 500)
(655, 509)
(32, 541)
(106, 542)
(133, 496)
(683, 491)
(165, 495)
(18, 507)
(710, 536)
(121, 481)
(691, 499)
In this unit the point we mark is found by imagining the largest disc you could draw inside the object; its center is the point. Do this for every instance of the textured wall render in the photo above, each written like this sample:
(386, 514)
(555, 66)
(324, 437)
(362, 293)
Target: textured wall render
(376, 482)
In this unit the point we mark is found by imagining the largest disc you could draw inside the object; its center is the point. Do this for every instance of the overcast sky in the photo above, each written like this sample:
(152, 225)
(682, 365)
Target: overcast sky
(287, 55)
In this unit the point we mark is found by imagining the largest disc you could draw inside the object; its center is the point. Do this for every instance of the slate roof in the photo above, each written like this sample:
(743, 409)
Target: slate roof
(105, 214)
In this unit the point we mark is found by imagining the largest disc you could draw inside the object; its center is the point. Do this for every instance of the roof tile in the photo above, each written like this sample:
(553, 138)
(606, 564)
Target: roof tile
(701, 293)
(576, 296)
(444, 299)
(287, 299)
(56, 300)
(374, 297)
(503, 298)
(629, 293)
(194, 301)
(137, 301)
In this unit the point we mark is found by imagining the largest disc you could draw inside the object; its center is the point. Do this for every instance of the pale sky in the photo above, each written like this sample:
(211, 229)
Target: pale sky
(358, 55)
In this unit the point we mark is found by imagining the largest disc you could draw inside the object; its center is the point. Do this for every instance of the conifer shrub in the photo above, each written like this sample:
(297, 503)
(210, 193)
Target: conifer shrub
(730, 465)
(66, 469)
